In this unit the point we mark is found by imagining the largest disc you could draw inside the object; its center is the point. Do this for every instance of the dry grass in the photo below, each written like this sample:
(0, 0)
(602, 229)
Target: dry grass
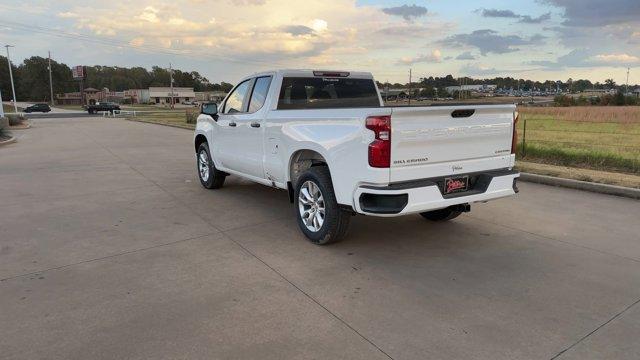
(612, 114)
(596, 137)
(176, 118)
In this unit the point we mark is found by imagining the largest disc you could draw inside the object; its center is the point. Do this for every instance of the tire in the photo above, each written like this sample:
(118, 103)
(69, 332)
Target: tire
(441, 214)
(314, 194)
(210, 177)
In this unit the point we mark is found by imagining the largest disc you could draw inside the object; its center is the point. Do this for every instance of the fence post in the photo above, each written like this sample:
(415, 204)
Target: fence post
(524, 138)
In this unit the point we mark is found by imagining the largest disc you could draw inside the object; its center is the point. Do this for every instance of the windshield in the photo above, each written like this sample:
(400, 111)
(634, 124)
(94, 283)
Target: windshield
(325, 93)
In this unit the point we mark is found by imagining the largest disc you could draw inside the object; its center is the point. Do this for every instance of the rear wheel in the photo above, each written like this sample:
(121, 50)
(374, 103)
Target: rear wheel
(210, 177)
(319, 217)
(441, 214)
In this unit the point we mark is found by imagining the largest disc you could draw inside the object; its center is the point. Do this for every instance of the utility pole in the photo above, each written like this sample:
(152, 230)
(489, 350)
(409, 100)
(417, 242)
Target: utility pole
(171, 81)
(13, 89)
(626, 91)
(50, 79)
(409, 87)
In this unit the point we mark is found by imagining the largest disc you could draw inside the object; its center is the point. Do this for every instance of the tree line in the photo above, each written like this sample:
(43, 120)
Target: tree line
(31, 79)
(430, 85)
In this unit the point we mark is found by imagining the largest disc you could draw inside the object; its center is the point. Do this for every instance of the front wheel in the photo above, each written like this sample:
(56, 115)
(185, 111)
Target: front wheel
(210, 177)
(319, 217)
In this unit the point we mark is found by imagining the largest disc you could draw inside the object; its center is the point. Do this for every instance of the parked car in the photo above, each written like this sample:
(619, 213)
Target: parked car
(44, 108)
(100, 107)
(327, 139)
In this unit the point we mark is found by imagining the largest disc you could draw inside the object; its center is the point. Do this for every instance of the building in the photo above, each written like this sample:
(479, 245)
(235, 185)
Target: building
(153, 95)
(636, 92)
(215, 96)
(92, 96)
(475, 88)
(138, 96)
(162, 95)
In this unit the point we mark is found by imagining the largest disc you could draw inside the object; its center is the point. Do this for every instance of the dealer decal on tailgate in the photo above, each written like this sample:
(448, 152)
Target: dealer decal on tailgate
(456, 184)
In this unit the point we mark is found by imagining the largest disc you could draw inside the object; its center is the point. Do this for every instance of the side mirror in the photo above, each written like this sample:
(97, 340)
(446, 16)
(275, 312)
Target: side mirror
(210, 109)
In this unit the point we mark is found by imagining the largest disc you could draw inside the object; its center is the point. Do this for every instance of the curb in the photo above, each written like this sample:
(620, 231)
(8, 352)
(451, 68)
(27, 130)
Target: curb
(20, 127)
(7, 142)
(161, 124)
(582, 185)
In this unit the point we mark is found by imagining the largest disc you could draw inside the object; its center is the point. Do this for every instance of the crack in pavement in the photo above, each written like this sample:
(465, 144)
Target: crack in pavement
(595, 330)
(551, 238)
(247, 251)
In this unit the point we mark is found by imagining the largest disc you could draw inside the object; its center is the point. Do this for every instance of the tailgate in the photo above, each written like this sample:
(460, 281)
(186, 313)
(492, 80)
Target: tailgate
(449, 135)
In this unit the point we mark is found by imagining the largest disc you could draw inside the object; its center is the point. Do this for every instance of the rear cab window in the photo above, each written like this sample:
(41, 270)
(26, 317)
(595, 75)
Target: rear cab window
(327, 93)
(259, 93)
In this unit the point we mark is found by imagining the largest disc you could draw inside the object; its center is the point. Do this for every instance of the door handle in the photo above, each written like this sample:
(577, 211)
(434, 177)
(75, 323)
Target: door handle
(232, 124)
(255, 124)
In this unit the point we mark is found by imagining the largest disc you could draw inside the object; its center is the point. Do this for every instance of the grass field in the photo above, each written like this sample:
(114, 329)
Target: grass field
(166, 117)
(601, 138)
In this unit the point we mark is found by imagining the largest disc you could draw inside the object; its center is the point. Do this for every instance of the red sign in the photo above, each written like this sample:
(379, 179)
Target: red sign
(78, 72)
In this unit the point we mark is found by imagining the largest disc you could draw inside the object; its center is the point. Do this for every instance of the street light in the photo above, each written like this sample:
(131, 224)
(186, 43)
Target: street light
(13, 89)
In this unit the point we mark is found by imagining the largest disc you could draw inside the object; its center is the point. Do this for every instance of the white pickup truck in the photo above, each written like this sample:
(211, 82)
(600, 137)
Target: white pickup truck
(327, 138)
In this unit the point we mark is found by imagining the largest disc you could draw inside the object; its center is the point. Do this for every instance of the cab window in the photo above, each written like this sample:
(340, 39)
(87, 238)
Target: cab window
(236, 100)
(259, 94)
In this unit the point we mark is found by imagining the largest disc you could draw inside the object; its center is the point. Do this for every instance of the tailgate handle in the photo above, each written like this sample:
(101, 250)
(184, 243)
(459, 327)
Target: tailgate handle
(462, 113)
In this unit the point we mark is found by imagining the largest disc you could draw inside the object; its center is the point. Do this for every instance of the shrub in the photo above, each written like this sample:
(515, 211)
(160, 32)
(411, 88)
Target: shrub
(192, 116)
(4, 124)
(15, 119)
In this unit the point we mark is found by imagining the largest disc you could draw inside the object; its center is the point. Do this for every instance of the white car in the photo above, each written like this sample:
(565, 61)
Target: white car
(326, 138)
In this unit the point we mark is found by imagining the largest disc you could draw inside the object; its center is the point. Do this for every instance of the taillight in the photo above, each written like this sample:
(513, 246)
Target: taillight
(514, 136)
(380, 148)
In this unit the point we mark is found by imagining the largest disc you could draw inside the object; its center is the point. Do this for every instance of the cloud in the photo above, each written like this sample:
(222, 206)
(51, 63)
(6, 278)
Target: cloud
(524, 19)
(617, 59)
(406, 11)
(297, 30)
(590, 13)
(489, 41)
(434, 57)
(406, 30)
(467, 55)
(67, 15)
(579, 58)
(477, 69)
(494, 13)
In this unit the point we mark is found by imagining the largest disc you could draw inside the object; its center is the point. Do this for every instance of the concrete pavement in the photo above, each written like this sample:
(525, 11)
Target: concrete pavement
(110, 248)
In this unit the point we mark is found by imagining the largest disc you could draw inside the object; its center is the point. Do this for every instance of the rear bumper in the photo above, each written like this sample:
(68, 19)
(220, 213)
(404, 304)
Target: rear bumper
(425, 194)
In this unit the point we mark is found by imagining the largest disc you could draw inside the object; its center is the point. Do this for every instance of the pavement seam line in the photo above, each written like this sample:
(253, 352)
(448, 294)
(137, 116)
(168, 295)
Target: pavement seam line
(308, 296)
(108, 256)
(553, 239)
(246, 250)
(595, 330)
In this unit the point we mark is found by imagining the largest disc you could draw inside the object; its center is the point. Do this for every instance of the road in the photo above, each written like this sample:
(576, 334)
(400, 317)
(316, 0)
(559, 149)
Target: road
(110, 248)
(54, 110)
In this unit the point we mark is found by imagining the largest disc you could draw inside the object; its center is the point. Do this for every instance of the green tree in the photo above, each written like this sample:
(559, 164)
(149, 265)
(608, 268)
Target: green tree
(5, 82)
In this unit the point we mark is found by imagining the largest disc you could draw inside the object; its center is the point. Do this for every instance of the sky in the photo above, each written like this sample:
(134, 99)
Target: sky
(225, 40)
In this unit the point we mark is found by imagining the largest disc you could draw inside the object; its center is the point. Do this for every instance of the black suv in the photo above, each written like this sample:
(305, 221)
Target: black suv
(37, 108)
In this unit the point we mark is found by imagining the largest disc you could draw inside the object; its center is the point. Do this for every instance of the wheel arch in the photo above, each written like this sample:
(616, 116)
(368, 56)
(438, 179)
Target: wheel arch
(199, 140)
(299, 161)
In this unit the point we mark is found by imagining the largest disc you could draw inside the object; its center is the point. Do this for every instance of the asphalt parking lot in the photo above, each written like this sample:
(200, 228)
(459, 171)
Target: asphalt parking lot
(111, 249)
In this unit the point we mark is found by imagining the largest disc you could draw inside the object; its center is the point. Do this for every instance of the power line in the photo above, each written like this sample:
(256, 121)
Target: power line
(120, 44)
